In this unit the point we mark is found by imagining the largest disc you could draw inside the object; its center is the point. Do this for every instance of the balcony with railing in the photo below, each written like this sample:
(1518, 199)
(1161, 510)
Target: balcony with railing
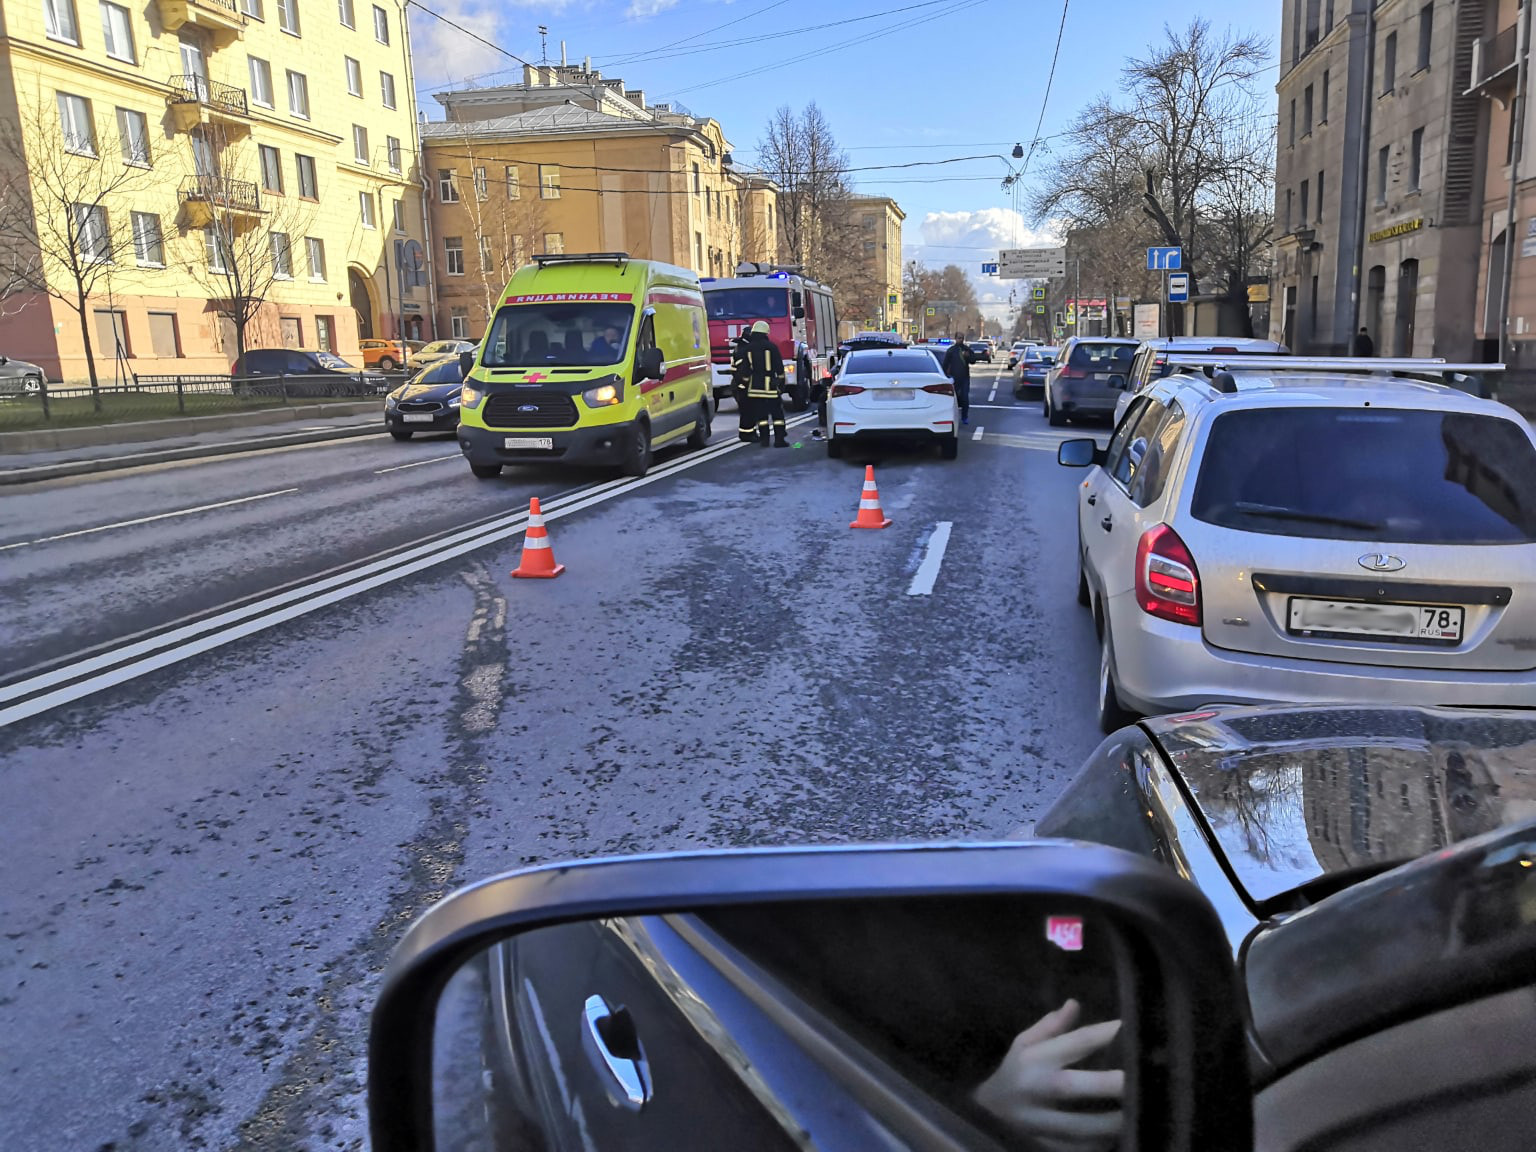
(1494, 61)
(207, 198)
(221, 19)
(196, 100)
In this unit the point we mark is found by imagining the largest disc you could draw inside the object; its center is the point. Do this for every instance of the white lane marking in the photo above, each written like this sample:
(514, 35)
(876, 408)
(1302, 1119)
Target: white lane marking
(992, 395)
(418, 463)
(168, 648)
(1003, 407)
(977, 434)
(928, 571)
(146, 519)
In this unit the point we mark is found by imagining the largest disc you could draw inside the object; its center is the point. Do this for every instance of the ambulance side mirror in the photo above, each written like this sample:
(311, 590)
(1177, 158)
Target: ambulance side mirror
(649, 364)
(466, 364)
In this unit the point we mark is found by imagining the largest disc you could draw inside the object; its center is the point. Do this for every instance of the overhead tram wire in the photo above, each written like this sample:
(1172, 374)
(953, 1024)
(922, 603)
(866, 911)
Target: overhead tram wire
(630, 57)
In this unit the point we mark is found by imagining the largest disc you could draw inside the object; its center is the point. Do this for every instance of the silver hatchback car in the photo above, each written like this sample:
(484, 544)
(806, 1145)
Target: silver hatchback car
(1292, 537)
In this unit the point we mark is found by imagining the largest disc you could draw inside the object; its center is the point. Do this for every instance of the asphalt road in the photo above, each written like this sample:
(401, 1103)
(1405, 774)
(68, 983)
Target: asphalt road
(224, 805)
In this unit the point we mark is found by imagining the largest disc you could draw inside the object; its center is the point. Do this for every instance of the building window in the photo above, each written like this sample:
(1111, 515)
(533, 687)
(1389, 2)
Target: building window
(217, 251)
(325, 333)
(453, 252)
(392, 150)
(360, 144)
(1288, 196)
(288, 16)
(698, 250)
(1322, 114)
(365, 210)
(75, 123)
(282, 255)
(387, 88)
(1327, 17)
(380, 25)
(164, 337)
(869, 249)
(253, 9)
(458, 324)
(1426, 34)
(91, 238)
(1291, 142)
(1415, 159)
(770, 219)
(261, 82)
(706, 204)
(1381, 174)
(482, 186)
(399, 215)
(1320, 197)
(1389, 64)
(315, 250)
(291, 328)
(271, 168)
(1306, 111)
(59, 21)
(549, 181)
(117, 29)
(348, 13)
(298, 95)
(448, 185)
(696, 184)
(354, 77)
(554, 243)
(148, 244)
(112, 333)
(309, 186)
(514, 185)
(133, 137)
(485, 254)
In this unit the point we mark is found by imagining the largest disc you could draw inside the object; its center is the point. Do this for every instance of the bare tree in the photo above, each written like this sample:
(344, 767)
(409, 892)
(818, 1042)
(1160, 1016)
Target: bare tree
(76, 227)
(799, 153)
(1238, 217)
(19, 256)
(249, 244)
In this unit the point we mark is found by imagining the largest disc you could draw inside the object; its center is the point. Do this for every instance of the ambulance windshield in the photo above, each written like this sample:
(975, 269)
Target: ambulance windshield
(746, 303)
(575, 333)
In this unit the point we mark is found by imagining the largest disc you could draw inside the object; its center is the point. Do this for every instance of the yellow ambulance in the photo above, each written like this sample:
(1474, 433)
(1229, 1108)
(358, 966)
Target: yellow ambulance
(589, 359)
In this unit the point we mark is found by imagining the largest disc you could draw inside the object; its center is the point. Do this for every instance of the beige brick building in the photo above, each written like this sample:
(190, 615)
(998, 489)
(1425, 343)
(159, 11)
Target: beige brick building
(870, 294)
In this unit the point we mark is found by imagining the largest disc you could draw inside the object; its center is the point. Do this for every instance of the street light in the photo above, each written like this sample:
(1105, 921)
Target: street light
(1018, 151)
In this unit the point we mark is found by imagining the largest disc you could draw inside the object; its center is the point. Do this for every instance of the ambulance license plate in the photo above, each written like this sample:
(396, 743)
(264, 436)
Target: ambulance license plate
(545, 442)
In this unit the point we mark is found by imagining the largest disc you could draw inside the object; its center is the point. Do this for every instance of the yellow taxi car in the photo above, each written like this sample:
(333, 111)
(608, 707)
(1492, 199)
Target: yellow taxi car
(385, 355)
(590, 359)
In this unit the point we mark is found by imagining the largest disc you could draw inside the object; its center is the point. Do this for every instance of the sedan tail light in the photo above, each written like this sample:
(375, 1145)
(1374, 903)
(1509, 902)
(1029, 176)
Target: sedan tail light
(940, 389)
(1167, 583)
(846, 390)
(1074, 373)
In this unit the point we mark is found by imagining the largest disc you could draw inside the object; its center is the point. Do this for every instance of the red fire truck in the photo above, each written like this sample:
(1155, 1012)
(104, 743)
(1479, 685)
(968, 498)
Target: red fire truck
(801, 321)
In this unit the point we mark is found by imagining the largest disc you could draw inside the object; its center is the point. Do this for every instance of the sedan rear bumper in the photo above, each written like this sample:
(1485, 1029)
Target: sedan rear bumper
(1161, 666)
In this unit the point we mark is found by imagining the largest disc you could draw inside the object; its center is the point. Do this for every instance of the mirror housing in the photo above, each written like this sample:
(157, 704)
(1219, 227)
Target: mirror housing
(799, 313)
(1081, 453)
(466, 364)
(1187, 1087)
(649, 364)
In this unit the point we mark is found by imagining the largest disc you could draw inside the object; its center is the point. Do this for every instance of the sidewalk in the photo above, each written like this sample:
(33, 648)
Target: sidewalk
(182, 440)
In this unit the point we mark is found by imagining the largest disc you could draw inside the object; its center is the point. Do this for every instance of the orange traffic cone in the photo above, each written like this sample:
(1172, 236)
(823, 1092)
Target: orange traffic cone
(538, 561)
(870, 515)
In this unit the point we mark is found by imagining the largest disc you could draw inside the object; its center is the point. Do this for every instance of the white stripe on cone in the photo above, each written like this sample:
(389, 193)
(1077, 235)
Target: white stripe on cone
(536, 542)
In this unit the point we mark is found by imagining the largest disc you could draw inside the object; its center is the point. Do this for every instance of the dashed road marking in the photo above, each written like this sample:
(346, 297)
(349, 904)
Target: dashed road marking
(146, 519)
(977, 434)
(927, 573)
(418, 463)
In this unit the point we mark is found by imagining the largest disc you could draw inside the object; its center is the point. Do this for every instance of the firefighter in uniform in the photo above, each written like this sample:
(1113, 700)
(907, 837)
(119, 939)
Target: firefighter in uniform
(746, 421)
(758, 376)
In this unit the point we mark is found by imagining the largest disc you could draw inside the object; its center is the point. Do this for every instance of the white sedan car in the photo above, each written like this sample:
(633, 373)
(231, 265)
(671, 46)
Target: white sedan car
(892, 394)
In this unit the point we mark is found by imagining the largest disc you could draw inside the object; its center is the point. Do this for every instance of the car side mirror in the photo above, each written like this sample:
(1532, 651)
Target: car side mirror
(899, 981)
(650, 364)
(799, 313)
(466, 364)
(1083, 453)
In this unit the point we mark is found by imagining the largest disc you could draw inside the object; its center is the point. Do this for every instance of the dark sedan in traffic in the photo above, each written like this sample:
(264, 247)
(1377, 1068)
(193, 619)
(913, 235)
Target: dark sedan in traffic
(429, 402)
(1033, 367)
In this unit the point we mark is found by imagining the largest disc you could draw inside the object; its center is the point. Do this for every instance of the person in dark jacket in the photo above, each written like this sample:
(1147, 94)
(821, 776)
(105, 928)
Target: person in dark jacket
(758, 373)
(957, 366)
(1362, 344)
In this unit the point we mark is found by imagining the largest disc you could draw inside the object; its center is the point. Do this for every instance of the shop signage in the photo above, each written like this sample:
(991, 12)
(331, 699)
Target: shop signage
(1402, 229)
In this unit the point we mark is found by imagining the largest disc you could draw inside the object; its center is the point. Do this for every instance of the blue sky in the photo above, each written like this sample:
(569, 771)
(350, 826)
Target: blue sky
(941, 79)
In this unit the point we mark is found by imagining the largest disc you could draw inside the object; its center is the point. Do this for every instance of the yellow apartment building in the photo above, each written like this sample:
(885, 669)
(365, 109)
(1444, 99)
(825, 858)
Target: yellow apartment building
(568, 161)
(208, 158)
(872, 292)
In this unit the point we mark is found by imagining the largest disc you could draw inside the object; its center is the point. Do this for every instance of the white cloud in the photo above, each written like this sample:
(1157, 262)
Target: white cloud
(642, 9)
(445, 56)
(970, 239)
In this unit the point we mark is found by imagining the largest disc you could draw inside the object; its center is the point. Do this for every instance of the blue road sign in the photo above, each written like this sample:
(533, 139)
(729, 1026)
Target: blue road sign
(1178, 287)
(989, 269)
(1164, 259)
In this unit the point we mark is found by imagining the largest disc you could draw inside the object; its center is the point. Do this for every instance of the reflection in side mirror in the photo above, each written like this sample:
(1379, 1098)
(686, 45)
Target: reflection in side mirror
(933, 994)
(649, 364)
(1117, 382)
(1078, 453)
(466, 364)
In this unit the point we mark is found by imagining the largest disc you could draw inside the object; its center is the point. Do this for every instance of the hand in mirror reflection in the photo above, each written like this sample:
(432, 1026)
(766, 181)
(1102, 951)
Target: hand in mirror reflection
(1037, 1093)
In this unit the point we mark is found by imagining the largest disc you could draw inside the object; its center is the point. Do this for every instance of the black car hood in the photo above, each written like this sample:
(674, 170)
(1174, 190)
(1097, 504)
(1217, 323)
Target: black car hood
(1292, 795)
(428, 391)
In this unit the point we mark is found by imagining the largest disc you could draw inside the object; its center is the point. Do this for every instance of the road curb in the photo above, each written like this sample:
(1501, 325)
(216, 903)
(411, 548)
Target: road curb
(40, 472)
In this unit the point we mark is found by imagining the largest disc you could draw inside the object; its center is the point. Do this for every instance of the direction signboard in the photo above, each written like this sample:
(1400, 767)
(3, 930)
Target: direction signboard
(1165, 259)
(989, 269)
(1031, 263)
(1178, 287)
